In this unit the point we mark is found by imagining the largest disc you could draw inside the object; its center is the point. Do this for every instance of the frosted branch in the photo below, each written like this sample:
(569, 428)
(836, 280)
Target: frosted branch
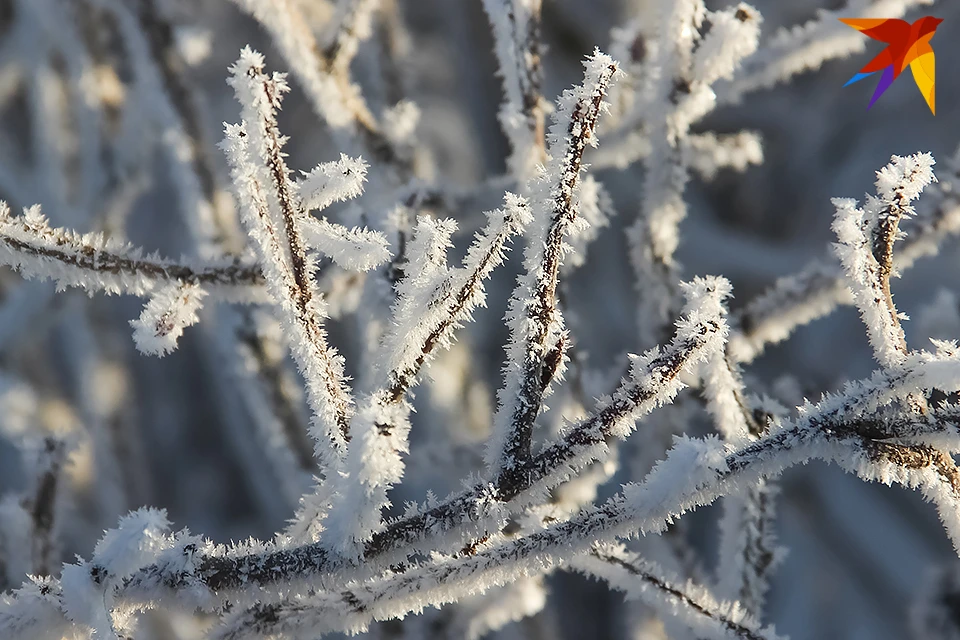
(98, 264)
(695, 473)
(433, 301)
(272, 212)
(796, 300)
(692, 605)
(333, 97)
(865, 248)
(516, 33)
(681, 95)
(164, 318)
(654, 380)
(537, 344)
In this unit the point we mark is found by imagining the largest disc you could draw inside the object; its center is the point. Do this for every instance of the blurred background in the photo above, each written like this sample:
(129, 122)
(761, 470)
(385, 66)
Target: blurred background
(859, 555)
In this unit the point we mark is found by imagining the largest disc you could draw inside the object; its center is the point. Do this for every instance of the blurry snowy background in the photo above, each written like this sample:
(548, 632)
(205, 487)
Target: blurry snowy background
(858, 553)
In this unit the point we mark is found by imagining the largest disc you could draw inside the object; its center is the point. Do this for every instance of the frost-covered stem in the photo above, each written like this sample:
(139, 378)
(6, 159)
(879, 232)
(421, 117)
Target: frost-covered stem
(747, 545)
(538, 341)
(41, 504)
(334, 98)
(433, 302)
(351, 610)
(516, 33)
(865, 248)
(746, 573)
(271, 211)
(184, 102)
(654, 381)
(691, 604)
(350, 26)
(817, 290)
(653, 237)
(694, 474)
(38, 251)
(452, 300)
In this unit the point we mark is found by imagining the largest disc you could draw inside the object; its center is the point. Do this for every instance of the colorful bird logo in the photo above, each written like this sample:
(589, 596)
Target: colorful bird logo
(907, 44)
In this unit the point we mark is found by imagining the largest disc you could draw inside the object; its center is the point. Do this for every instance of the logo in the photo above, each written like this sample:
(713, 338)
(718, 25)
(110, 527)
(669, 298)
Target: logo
(907, 44)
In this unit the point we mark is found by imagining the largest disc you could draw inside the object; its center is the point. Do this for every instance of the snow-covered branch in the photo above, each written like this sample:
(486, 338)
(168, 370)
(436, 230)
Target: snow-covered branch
(98, 264)
(692, 605)
(538, 340)
(516, 32)
(347, 398)
(821, 287)
(865, 248)
(273, 214)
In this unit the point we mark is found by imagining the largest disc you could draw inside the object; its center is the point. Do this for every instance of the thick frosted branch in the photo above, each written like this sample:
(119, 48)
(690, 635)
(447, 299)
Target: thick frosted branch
(865, 248)
(516, 33)
(537, 344)
(95, 263)
(272, 212)
(695, 473)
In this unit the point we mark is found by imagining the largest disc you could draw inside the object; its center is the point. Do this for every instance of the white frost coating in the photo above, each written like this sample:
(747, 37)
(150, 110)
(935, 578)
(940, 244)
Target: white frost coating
(33, 612)
(596, 209)
(379, 440)
(429, 304)
(859, 232)
(99, 264)
(88, 586)
(734, 35)
(352, 249)
(291, 34)
(703, 313)
(272, 213)
(510, 21)
(331, 182)
(692, 605)
(724, 390)
(708, 153)
(536, 325)
(164, 318)
(433, 300)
